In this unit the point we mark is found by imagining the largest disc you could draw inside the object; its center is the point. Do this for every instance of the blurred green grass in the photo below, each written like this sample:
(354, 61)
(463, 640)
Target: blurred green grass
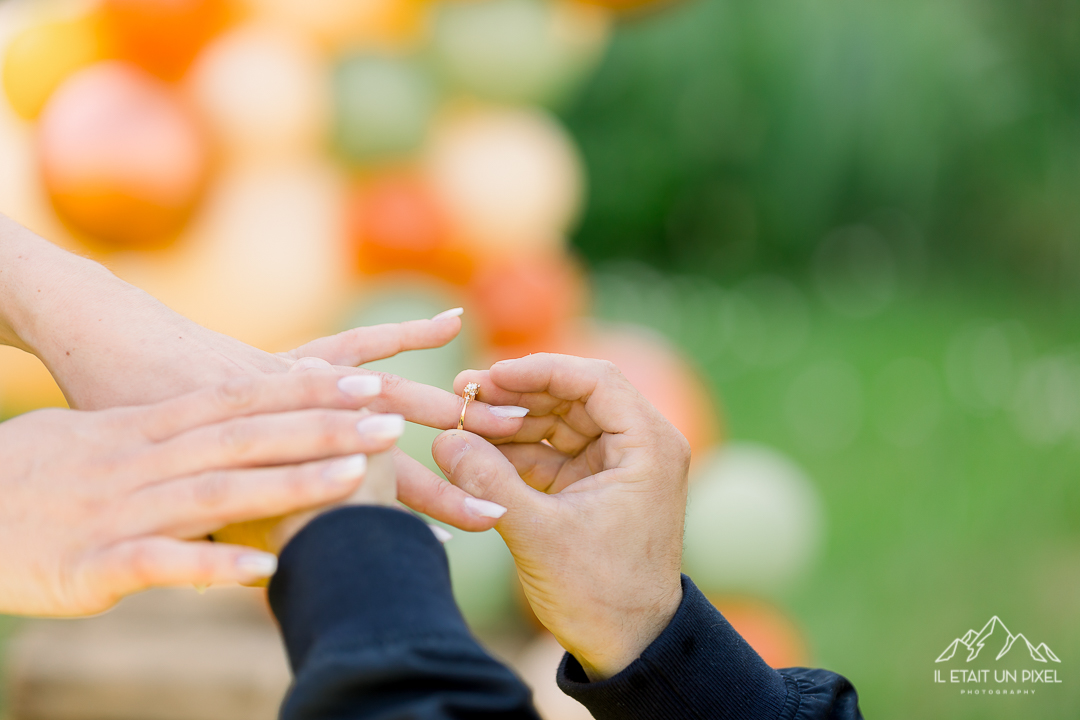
(925, 540)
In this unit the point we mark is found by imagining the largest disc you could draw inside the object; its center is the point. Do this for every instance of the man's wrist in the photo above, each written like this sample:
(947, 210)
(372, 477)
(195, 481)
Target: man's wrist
(627, 640)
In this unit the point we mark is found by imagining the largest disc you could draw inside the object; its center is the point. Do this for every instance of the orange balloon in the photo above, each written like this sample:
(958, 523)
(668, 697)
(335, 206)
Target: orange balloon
(659, 373)
(43, 56)
(774, 636)
(122, 159)
(397, 224)
(524, 300)
(163, 36)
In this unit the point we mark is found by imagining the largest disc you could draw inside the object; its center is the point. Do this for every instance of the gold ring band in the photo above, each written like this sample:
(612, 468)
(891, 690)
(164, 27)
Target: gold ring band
(469, 393)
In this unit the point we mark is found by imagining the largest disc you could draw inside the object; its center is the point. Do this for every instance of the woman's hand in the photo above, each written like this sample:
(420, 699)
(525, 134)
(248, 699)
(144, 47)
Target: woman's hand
(595, 482)
(108, 344)
(98, 505)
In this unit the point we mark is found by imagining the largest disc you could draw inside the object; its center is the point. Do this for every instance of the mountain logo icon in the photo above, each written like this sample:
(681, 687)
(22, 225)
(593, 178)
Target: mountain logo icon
(995, 634)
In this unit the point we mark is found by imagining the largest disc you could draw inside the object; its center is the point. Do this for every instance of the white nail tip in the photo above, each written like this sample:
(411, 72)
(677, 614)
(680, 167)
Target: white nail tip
(257, 564)
(508, 411)
(347, 469)
(441, 534)
(449, 313)
(382, 425)
(485, 508)
(360, 385)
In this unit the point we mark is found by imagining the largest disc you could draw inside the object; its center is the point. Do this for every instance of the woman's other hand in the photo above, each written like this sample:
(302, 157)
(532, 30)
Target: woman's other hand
(595, 483)
(101, 504)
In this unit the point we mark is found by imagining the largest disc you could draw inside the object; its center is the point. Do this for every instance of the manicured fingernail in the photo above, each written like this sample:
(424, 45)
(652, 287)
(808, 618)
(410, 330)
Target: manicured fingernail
(360, 385)
(441, 534)
(257, 565)
(485, 508)
(454, 312)
(346, 470)
(384, 426)
(508, 411)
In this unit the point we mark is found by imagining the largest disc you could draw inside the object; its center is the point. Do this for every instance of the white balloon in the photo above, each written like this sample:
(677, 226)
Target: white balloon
(509, 178)
(754, 521)
(263, 91)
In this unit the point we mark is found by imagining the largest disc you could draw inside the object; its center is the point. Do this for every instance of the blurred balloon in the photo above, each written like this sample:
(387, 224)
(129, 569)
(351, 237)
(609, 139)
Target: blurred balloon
(397, 224)
(122, 158)
(482, 573)
(163, 36)
(537, 665)
(525, 299)
(263, 91)
(401, 300)
(350, 23)
(659, 373)
(510, 179)
(520, 51)
(43, 56)
(25, 384)
(382, 107)
(264, 260)
(754, 521)
(774, 636)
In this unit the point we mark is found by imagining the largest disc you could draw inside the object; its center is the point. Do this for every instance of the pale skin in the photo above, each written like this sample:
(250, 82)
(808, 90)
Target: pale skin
(101, 504)
(110, 344)
(596, 483)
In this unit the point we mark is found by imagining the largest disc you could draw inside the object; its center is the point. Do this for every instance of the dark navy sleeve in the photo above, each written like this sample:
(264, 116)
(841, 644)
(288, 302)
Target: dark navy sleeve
(701, 669)
(363, 598)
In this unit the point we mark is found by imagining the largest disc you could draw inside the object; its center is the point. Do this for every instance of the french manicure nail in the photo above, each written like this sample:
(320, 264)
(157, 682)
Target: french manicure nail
(360, 385)
(257, 565)
(386, 426)
(454, 312)
(508, 411)
(346, 470)
(485, 508)
(441, 534)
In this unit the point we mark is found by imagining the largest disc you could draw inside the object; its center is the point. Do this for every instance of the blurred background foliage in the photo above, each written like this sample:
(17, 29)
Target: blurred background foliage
(725, 136)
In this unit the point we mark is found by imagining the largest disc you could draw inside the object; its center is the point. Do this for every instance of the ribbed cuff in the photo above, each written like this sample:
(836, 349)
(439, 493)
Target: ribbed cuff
(699, 667)
(380, 559)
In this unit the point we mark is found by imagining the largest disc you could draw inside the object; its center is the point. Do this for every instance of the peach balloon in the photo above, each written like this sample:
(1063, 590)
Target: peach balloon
(774, 636)
(123, 160)
(264, 91)
(510, 179)
(396, 224)
(351, 24)
(163, 36)
(43, 56)
(660, 373)
(264, 260)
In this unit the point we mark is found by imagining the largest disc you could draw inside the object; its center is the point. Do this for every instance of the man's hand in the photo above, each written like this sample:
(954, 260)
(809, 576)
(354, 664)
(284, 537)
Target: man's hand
(595, 482)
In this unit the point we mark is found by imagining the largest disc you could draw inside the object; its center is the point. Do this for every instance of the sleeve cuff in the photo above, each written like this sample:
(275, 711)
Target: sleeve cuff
(698, 667)
(341, 579)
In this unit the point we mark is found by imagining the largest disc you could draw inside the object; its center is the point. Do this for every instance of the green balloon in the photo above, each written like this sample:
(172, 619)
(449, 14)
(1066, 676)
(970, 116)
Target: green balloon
(382, 107)
(512, 51)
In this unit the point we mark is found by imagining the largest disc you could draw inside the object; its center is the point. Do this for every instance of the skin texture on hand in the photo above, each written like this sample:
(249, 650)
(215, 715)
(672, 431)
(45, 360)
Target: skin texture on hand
(110, 344)
(595, 483)
(101, 504)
